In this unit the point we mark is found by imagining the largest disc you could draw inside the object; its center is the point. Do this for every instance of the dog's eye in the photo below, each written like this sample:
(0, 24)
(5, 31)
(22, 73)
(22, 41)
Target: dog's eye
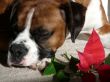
(41, 34)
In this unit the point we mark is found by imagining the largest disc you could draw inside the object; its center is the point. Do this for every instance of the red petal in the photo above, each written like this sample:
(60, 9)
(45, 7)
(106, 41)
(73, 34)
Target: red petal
(83, 65)
(94, 49)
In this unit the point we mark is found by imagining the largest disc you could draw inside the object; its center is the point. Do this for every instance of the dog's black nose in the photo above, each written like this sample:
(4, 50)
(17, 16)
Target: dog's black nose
(18, 51)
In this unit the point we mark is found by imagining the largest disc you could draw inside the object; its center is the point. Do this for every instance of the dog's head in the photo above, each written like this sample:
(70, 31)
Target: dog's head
(40, 28)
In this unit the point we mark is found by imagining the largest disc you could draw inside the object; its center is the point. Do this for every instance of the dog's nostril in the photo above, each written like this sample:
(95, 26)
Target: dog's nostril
(18, 50)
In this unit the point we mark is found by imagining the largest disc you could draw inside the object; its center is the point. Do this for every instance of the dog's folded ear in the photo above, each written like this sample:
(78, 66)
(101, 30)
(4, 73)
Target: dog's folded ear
(76, 19)
(75, 16)
(4, 5)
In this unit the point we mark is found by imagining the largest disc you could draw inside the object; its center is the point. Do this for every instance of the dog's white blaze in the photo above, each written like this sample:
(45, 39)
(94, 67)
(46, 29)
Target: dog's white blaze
(93, 18)
(24, 37)
(29, 20)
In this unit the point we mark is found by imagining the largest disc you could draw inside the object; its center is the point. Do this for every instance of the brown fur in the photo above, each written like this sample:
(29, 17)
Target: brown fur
(104, 29)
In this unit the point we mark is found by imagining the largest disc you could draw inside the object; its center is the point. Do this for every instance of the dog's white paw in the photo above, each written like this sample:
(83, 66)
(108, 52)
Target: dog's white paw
(43, 63)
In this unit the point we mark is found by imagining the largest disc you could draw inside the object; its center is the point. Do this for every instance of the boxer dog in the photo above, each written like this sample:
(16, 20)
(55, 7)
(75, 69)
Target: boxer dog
(39, 28)
(96, 18)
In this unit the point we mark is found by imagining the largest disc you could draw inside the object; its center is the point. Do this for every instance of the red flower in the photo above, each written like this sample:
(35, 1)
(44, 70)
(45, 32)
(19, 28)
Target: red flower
(93, 53)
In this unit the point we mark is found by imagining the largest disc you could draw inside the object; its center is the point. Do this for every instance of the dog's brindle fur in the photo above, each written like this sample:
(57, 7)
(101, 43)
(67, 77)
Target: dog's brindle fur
(51, 22)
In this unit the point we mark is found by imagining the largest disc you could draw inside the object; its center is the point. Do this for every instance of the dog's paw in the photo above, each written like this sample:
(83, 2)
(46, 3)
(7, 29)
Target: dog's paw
(43, 63)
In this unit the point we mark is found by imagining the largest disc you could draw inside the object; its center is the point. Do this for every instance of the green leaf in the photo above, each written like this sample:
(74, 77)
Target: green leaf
(72, 64)
(50, 69)
(61, 76)
(58, 66)
(107, 60)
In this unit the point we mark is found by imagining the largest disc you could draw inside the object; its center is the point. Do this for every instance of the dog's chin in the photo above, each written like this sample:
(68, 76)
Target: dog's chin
(40, 65)
(22, 63)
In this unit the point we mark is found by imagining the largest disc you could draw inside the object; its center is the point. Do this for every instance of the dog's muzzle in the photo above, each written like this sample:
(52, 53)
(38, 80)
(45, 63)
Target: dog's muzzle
(21, 55)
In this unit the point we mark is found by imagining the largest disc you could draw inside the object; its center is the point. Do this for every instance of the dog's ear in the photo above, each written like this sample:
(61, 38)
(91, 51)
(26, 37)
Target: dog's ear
(75, 17)
(4, 5)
